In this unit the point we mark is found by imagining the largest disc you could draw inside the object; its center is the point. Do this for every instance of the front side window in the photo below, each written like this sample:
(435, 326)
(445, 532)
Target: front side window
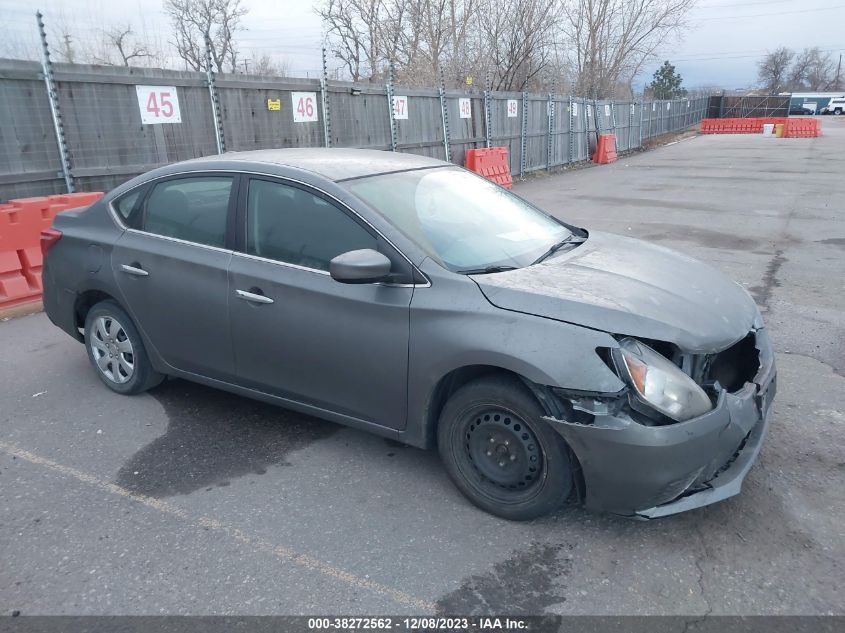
(291, 225)
(192, 209)
(461, 220)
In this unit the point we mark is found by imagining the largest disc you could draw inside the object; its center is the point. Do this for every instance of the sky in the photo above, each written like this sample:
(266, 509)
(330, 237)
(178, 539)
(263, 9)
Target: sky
(725, 39)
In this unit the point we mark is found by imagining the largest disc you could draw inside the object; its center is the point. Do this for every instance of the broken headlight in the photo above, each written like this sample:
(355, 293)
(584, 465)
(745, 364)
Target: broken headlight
(659, 383)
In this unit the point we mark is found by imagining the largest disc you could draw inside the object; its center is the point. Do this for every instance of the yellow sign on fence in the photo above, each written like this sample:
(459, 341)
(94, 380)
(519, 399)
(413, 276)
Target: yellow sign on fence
(274, 105)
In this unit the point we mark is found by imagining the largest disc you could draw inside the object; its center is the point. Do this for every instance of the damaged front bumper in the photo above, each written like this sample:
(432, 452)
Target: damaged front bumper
(654, 471)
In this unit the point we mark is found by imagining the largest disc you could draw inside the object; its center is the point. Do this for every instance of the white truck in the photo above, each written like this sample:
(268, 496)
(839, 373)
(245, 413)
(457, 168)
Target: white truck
(835, 106)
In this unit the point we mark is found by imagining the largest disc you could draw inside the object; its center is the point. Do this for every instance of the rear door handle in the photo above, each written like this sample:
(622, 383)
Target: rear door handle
(134, 270)
(251, 296)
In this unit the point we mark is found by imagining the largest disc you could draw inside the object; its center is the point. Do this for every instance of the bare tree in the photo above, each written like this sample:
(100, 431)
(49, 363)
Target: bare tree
(355, 28)
(435, 35)
(773, 68)
(519, 36)
(124, 41)
(820, 70)
(419, 36)
(266, 66)
(17, 45)
(195, 21)
(611, 40)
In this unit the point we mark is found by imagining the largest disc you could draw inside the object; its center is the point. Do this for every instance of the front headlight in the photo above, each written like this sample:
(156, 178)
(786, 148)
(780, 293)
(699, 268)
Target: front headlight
(660, 383)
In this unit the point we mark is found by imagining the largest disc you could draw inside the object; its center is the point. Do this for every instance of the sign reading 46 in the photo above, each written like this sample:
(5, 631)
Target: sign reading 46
(304, 107)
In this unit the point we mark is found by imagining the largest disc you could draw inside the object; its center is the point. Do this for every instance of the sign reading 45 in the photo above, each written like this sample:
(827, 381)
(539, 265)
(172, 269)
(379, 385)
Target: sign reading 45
(158, 104)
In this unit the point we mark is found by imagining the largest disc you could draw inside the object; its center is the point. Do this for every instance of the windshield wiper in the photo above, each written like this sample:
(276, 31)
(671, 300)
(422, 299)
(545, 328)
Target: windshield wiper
(555, 248)
(486, 271)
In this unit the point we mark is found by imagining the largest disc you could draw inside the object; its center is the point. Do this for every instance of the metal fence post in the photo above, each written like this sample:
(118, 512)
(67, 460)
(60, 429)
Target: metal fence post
(55, 110)
(642, 118)
(488, 114)
(324, 95)
(570, 156)
(586, 112)
(390, 112)
(659, 120)
(613, 117)
(215, 100)
(597, 117)
(444, 116)
(550, 113)
(523, 135)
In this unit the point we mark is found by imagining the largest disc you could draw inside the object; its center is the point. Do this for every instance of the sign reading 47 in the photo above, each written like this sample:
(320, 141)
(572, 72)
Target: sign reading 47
(158, 104)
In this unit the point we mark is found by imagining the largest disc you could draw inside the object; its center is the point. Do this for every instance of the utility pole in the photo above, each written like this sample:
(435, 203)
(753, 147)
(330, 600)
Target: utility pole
(68, 48)
(837, 85)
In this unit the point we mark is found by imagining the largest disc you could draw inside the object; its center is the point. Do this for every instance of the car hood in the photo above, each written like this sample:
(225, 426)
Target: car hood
(625, 286)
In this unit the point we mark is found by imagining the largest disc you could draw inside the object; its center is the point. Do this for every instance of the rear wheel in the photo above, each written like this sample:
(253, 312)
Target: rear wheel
(116, 351)
(499, 453)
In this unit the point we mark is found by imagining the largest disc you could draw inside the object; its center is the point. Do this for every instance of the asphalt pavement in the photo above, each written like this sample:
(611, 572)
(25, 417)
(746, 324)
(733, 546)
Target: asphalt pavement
(187, 500)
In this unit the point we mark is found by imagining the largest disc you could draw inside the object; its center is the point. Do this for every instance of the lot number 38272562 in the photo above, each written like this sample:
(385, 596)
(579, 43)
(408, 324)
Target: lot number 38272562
(158, 104)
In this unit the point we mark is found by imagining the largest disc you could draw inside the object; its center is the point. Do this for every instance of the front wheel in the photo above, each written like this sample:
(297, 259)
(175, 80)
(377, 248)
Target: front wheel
(116, 351)
(499, 453)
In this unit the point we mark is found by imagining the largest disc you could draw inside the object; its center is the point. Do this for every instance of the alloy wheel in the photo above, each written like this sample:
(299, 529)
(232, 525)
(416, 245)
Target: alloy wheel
(112, 349)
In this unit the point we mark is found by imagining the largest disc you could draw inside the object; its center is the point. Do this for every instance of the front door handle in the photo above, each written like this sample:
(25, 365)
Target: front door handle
(134, 270)
(251, 296)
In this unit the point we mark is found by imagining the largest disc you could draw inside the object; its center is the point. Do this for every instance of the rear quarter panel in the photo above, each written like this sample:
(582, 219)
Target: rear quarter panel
(79, 261)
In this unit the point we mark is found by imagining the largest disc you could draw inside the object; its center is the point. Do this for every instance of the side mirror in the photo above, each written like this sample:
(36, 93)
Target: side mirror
(359, 267)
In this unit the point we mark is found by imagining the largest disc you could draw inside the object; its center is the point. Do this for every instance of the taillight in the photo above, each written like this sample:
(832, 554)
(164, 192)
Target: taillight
(48, 238)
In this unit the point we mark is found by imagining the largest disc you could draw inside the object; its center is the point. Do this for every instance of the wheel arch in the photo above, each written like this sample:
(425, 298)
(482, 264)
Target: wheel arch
(458, 377)
(94, 294)
(88, 299)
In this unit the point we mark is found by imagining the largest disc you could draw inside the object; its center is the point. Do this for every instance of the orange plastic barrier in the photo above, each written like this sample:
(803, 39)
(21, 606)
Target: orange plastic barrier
(605, 149)
(793, 127)
(21, 223)
(802, 128)
(490, 162)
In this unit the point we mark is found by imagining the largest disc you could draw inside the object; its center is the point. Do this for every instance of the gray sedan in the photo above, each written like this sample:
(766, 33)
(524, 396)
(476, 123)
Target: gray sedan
(408, 297)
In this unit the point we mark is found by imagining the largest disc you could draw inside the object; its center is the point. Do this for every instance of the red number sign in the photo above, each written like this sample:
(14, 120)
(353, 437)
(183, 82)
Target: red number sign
(158, 104)
(304, 107)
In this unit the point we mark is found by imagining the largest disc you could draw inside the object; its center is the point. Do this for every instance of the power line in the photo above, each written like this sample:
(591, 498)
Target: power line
(762, 15)
(742, 4)
(726, 57)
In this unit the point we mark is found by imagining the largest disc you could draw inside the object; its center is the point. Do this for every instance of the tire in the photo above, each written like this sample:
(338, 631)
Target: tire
(116, 350)
(838, 111)
(499, 453)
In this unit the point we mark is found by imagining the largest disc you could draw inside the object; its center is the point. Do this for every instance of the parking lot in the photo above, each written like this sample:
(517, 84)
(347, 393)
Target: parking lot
(192, 501)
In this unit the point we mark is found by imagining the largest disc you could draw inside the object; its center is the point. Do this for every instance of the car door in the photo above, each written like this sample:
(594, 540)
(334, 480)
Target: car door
(302, 335)
(171, 266)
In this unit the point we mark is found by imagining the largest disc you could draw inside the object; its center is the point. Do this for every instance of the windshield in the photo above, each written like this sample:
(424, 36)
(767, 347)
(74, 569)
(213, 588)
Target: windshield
(465, 222)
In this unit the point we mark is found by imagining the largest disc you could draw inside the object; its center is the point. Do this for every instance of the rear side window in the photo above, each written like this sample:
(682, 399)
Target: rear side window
(127, 206)
(291, 225)
(192, 209)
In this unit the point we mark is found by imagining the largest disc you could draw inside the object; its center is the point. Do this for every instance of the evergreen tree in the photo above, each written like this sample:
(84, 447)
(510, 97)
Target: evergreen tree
(667, 83)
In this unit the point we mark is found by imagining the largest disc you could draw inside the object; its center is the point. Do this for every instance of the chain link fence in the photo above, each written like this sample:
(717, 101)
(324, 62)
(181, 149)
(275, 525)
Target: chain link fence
(106, 142)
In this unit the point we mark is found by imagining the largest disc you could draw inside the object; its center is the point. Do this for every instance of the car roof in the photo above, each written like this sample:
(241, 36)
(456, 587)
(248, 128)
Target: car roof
(334, 164)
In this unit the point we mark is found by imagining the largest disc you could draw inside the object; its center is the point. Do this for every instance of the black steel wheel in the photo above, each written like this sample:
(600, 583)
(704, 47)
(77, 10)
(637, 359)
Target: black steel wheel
(499, 452)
